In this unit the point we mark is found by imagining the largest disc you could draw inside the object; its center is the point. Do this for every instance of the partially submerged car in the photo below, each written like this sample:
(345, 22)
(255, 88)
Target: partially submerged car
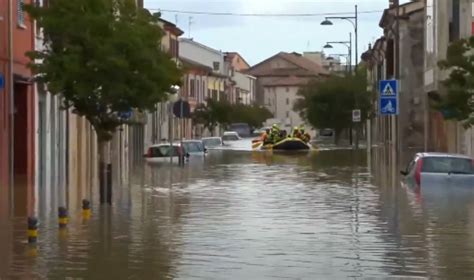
(163, 153)
(230, 136)
(212, 142)
(428, 170)
(194, 148)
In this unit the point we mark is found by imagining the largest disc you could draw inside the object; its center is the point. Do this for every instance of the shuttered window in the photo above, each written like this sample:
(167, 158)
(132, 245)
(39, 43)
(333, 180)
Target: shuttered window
(20, 12)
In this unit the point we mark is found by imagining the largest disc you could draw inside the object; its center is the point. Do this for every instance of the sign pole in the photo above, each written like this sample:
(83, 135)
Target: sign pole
(182, 129)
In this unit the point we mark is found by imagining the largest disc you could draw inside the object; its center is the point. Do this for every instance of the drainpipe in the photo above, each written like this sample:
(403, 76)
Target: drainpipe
(12, 101)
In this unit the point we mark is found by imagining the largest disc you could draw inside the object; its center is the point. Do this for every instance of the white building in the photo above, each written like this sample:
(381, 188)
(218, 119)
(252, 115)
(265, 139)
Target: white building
(280, 97)
(51, 144)
(278, 81)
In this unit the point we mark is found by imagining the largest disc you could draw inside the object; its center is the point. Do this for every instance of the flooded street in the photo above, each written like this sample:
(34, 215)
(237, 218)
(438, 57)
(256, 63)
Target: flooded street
(244, 215)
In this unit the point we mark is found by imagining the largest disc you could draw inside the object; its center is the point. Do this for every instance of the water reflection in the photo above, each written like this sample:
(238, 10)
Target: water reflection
(254, 215)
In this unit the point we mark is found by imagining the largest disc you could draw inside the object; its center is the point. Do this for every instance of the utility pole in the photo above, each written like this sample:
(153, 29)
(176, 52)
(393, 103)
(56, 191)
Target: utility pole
(190, 23)
(12, 104)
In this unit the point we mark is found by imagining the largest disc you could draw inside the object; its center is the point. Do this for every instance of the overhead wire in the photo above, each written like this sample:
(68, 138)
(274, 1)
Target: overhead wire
(262, 14)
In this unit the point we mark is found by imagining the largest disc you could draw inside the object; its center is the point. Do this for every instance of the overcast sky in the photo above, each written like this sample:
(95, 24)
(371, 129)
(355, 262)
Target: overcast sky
(257, 38)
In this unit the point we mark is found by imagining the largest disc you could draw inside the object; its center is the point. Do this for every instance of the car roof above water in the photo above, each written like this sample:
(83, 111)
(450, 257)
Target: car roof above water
(423, 155)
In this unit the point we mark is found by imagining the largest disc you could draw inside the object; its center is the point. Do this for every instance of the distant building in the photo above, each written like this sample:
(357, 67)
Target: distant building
(237, 61)
(243, 86)
(278, 80)
(332, 63)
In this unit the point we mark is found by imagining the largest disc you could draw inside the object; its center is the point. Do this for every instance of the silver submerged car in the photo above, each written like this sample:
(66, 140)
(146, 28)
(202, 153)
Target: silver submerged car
(439, 170)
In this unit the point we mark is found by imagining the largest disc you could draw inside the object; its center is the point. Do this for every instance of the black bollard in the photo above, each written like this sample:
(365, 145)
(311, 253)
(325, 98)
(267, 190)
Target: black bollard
(62, 217)
(86, 209)
(32, 230)
(105, 184)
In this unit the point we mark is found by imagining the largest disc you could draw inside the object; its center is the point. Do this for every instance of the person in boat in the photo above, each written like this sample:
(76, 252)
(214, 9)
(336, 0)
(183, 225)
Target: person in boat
(304, 135)
(274, 134)
(296, 133)
(265, 137)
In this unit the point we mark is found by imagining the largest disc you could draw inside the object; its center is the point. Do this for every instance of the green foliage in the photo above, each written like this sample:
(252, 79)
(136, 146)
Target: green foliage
(103, 57)
(253, 115)
(223, 113)
(212, 114)
(458, 103)
(329, 103)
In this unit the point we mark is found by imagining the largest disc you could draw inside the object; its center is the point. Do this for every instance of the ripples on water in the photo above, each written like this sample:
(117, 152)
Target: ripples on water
(248, 215)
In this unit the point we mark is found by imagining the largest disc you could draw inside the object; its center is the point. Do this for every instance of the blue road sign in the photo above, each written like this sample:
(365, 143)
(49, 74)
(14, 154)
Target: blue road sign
(388, 97)
(2, 81)
(125, 115)
(388, 106)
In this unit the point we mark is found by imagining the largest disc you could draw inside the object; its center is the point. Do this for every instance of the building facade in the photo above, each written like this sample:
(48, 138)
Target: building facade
(278, 81)
(51, 143)
(159, 125)
(17, 109)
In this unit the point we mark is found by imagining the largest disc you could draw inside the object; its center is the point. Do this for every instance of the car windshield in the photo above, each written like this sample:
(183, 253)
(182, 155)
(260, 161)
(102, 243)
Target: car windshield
(230, 137)
(447, 165)
(214, 142)
(193, 147)
(163, 151)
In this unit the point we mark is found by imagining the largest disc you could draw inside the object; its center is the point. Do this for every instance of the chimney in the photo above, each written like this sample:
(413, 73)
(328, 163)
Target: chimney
(393, 3)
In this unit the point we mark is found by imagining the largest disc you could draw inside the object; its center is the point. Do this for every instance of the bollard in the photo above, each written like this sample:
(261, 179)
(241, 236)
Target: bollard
(32, 230)
(62, 217)
(86, 209)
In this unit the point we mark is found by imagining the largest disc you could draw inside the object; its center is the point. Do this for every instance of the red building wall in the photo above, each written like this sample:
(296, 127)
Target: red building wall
(24, 153)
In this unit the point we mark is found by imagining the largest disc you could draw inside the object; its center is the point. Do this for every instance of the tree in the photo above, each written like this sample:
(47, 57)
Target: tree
(212, 114)
(103, 57)
(253, 115)
(223, 113)
(458, 104)
(329, 103)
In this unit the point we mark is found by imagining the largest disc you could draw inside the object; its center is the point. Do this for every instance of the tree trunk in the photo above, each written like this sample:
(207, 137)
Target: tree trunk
(105, 172)
(337, 136)
(357, 136)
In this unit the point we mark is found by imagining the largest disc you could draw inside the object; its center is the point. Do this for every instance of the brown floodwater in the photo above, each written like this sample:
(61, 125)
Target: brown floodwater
(249, 215)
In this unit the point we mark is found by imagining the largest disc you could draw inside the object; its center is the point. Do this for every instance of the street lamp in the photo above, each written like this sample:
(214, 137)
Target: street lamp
(348, 44)
(354, 20)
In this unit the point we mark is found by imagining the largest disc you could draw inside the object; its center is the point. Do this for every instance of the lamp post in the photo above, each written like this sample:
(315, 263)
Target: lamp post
(354, 21)
(175, 90)
(348, 44)
(338, 57)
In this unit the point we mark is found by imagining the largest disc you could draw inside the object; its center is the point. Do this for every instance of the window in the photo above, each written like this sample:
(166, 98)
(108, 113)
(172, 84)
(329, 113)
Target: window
(287, 101)
(20, 13)
(198, 88)
(216, 65)
(287, 89)
(454, 23)
(287, 114)
(174, 48)
(447, 165)
(215, 94)
(192, 91)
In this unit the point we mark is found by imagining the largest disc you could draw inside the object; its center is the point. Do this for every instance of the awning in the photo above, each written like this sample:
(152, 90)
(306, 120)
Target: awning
(20, 79)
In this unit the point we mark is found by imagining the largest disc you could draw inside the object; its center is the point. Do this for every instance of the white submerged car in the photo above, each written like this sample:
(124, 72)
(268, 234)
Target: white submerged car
(212, 142)
(161, 153)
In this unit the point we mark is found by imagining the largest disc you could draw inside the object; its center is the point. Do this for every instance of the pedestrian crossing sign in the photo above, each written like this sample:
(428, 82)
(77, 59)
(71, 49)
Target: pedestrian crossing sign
(388, 97)
(389, 88)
